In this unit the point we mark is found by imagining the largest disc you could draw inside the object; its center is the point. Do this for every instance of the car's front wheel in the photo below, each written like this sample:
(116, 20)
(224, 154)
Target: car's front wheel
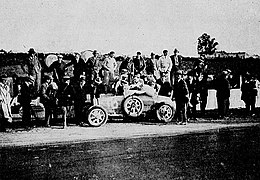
(164, 113)
(133, 106)
(96, 116)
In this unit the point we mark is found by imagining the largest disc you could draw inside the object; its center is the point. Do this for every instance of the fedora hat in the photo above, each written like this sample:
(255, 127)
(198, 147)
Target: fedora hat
(95, 52)
(31, 51)
(165, 50)
(112, 52)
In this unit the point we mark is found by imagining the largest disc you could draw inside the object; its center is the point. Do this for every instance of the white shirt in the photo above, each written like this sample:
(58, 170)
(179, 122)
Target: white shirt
(110, 64)
(165, 64)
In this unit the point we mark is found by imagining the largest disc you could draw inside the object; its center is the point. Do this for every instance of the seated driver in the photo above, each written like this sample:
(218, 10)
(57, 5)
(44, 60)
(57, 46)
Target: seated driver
(137, 83)
(121, 85)
(151, 88)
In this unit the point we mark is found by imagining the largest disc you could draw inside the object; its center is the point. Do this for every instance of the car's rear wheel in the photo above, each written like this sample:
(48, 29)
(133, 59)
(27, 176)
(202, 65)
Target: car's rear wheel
(164, 113)
(96, 116)
(133, 106)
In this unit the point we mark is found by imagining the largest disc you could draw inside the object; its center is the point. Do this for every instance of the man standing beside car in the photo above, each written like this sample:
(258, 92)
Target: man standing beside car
(109, 67)
(80, 98)
(65, 94)
(90, 72)
(181, 95)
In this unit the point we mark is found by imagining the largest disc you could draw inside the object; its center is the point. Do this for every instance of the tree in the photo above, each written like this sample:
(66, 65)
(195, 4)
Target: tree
(206, 45)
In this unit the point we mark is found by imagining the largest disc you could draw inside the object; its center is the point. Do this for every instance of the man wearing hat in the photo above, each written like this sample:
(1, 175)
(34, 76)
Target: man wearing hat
(45, 98)
(66, 95)
(5, 107)
(80, 99)
(124, 64)
(194, 86)
(93, 66)
(222, 86)
(151, 67)
(91, 69)
(181, 95)
(165, 65)
(249, 93)
(127, 66)
(176, 60)
(139, 64)
(27, 93)
(58, 68)
(34, 68)
(109, 67)
(199, 66)
(78, 66)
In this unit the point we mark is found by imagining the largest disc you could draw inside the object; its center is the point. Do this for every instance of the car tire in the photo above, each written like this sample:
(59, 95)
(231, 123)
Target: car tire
(164, 113)
(96, 116)
(133, 106)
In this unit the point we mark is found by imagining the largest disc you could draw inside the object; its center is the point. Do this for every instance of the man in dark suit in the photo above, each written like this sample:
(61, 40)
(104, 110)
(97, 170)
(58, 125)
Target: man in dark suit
(34, 68)
(249, 93)
(181, 95)
(139, 64)
(80, 98)
(58, 68)
(45, 99)
(78, 67)
(223, 93)
(65, 94)
(176, 60)
(166, 88)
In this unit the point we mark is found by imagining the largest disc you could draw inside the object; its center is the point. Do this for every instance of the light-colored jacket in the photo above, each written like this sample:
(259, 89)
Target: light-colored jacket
(5, 100)
(164, 64)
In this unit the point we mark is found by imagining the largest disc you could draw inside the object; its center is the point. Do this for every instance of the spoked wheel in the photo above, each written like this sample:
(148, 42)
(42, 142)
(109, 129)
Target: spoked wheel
(96, 116)
(133, 106)
(164, 113)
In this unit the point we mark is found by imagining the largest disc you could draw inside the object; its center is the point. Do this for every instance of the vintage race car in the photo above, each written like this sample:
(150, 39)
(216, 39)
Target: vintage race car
(133, 105)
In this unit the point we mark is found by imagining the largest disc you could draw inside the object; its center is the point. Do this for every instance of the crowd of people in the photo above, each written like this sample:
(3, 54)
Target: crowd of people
(157, 75)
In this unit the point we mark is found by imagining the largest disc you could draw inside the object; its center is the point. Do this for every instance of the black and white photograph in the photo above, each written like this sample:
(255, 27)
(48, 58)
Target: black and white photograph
(130, 89)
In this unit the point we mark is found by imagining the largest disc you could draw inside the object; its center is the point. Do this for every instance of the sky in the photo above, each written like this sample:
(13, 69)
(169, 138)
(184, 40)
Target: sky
(128, 26)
